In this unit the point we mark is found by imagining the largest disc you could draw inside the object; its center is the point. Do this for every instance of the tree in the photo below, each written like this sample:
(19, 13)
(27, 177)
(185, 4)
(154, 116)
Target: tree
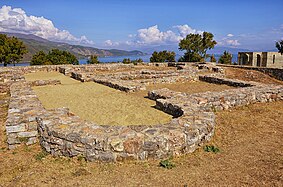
(212, 58)
(163, 56)
(191, 57)
(93, 60)
(126, 61)
(279, 46)
(226, 58)
(196, 46)
(139, 60)
(129, 61)
(71, 59)
(39, 58)
(11, 49)
(54, 57)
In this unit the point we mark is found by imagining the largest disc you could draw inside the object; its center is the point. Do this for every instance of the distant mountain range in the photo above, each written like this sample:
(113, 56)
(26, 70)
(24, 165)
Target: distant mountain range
(35, 44)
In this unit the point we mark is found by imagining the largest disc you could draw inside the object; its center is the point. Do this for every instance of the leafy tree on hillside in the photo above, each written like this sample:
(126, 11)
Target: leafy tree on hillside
(93, 60)
(163, 56)
(279, 46)
(226, 58)
(11, 49)
(196, 46)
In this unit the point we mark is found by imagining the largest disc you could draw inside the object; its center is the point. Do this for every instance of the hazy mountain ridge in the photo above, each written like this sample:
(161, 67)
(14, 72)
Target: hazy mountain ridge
(35, 44)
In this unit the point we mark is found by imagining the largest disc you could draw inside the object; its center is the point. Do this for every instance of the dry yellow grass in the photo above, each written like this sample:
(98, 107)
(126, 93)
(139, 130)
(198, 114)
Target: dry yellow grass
(97, 103)
(42, 75)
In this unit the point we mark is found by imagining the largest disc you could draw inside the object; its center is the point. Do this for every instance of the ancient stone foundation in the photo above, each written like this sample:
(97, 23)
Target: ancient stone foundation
(62, 133)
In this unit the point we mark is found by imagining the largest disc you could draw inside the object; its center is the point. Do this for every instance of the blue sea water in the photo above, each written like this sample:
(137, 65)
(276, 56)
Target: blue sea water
(110, 59)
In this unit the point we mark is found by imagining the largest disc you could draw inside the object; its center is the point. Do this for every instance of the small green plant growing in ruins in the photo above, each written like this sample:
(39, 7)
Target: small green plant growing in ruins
(81, 158)
(211, 148)
(166, 164)
(40, 156)
(23, 139)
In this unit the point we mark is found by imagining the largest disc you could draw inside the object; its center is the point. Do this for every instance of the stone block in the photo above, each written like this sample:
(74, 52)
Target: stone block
(16, 128)
(27, 134)
(12, 139)
(32, 140)
(117, 145)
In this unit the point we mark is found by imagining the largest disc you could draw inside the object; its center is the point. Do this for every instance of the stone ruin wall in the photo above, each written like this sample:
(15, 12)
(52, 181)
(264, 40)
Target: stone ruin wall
(62, 133)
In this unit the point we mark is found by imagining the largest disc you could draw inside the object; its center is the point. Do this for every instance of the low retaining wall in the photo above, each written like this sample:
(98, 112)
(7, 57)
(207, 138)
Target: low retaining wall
(44, 82)
(229, 82)
(24, 107)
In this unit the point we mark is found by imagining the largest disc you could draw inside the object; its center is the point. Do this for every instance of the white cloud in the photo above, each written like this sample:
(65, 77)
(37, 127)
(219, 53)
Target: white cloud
(229, 41)
(16, 20)
(152, 35)
(184, 30)
(233, 42)
(109, 43)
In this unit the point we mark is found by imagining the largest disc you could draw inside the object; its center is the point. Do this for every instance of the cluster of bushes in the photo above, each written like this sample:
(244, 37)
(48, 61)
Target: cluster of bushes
(129, 61)
(54, 57)
(163, 56)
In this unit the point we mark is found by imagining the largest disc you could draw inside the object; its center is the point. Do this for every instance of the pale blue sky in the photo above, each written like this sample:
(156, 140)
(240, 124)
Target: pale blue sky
(250, 24)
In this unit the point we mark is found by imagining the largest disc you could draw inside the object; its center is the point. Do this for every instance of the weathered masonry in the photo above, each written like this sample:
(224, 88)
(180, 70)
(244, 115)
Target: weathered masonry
(62, 133)
(261, 59)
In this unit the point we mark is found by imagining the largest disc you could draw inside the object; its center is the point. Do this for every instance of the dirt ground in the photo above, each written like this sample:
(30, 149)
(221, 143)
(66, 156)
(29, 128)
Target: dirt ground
(250, 75)
(251, 154)
(186, 87)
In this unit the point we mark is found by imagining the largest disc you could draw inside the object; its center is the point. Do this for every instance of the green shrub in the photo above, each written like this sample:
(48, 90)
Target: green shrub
(166, 164)
(211, 148)
(40, 156)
